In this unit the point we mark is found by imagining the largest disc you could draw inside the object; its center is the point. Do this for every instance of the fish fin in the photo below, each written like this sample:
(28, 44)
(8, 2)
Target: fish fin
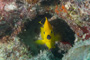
(40, 22)
(57, 37)
(46, 18)
(48, 45)
(39, 42)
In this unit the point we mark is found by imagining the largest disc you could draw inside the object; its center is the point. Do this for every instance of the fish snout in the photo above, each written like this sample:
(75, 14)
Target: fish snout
(48, 37)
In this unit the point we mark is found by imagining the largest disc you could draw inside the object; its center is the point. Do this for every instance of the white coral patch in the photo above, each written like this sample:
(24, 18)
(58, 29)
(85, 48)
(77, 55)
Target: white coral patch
(68, 5)
(10, 7)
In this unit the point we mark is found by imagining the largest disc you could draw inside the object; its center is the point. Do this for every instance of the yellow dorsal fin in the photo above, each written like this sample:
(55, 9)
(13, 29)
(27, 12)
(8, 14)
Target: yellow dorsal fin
(47, 25)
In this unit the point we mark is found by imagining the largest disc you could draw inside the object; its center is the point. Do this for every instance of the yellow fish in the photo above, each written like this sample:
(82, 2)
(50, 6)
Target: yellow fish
(47, 34)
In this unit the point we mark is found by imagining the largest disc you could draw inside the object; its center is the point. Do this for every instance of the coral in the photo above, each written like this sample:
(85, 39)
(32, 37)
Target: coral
(77, 16)
(14, 13)
(63, 46)
(14, 50)
(80, 51)
(45, 55)
(61, 10)
(32, 1)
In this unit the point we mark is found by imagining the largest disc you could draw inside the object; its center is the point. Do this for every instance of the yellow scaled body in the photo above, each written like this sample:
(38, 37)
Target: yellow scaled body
(47, 34)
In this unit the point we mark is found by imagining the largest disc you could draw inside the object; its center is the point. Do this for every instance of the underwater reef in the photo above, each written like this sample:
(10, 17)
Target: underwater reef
(80, 51)
(14, 50)
(20, 28)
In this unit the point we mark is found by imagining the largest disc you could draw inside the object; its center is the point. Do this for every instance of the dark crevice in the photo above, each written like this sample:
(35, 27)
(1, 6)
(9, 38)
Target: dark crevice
(33, 30)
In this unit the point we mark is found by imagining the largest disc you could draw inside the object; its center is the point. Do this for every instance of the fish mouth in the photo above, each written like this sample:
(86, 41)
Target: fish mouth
(48, 37)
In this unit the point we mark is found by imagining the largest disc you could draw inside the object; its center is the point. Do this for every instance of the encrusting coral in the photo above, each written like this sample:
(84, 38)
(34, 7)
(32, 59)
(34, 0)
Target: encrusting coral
(14, 50)
(14, 14)
(45, 55)
(80, 51)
